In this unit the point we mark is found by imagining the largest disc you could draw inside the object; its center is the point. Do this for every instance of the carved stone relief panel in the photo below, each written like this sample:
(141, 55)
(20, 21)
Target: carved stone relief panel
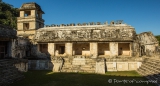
(83, 34)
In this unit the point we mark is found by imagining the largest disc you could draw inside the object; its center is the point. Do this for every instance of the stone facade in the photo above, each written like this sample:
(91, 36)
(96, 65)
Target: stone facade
(87, 47)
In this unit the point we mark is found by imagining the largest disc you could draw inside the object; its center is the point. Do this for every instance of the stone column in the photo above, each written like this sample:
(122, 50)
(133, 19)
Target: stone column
(93, 50)
(51, 48)
(69, 48)
(130, 46)
(113, 49)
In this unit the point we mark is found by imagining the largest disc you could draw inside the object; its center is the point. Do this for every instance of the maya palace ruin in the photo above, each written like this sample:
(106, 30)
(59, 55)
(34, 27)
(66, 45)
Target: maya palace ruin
(92, 47)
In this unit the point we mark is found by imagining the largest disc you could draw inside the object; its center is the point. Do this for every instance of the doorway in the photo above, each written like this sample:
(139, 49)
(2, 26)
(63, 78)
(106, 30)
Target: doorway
(2, 52)
(61, 49)
(124, 49)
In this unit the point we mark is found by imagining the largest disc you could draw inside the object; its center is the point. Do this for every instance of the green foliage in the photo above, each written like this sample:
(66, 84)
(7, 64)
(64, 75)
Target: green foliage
(158, 38)
(8, 14)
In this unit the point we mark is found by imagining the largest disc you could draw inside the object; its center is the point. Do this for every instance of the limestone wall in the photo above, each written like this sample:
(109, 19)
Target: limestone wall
(21, 66)
(148, 44)
(20, 47)
(85, 33)
(40, 65)
(122, 66)
(100, 65)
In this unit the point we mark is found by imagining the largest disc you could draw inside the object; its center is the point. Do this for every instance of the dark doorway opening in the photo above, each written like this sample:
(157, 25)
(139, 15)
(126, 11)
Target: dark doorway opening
(3, 49)
(62, 49)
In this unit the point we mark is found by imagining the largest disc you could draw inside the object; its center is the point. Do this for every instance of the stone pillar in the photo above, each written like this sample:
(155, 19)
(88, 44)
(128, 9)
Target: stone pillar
(69, 48)
(21, 13)
(100, 66)
(51, 48)
(130, 47)
(113, 49)
(93, 50)
(33, 13)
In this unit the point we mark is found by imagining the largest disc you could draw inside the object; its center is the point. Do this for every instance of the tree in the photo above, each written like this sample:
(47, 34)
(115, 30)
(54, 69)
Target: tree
(8, 14)
(158, 38)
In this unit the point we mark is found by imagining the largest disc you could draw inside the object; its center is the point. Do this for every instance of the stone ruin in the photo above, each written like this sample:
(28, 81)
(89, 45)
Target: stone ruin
(83, 47)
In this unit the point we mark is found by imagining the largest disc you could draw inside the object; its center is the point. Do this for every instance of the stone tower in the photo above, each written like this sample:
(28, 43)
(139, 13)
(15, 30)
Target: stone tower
(30, 19)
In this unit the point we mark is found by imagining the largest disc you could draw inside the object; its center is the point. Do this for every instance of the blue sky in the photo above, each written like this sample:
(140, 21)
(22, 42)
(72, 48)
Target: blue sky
(143, 15)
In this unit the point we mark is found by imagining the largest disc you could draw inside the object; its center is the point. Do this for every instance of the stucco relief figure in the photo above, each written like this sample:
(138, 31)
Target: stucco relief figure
(81, 34)
(96, 34)
(60, 34)
(68, 34)
(63, 34)
(41, 38)
(52, 35)
(74, 34)
(123, 33)
(113, 33)
(88, 34)
(56, 34)
(117, 33)
(103, 34)
(108, 34)
(130, 33)
(37, 35)
(58, 64)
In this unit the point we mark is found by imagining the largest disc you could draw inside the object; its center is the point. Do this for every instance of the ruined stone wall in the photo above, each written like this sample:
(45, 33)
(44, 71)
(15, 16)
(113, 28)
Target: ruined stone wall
(85, 33)
(37, 54)
(122, 66)
(148, 44)
(23, 67)
(19, 47)
(40, 65)
(136, 49)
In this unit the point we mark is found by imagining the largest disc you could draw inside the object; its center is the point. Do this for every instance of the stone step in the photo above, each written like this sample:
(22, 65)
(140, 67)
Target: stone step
(8, 72)
(148, 68)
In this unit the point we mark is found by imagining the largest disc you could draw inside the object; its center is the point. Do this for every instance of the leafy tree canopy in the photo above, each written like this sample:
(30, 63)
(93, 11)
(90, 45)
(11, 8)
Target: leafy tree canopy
(158, 38)
(8, 14)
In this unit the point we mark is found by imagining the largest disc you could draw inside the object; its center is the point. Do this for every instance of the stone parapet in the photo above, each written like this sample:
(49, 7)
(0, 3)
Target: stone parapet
(98, 33)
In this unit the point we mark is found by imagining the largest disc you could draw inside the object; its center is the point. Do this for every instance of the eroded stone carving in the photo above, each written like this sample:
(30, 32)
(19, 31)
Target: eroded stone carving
(57, 63)
(78, 35)
(100, 66)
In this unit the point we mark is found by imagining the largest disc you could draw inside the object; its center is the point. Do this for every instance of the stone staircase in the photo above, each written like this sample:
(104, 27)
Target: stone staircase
(86, 65)
(150, 68)
(8, 72)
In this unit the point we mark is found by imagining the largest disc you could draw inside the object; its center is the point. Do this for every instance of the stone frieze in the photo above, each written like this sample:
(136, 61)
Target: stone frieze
(84, 35)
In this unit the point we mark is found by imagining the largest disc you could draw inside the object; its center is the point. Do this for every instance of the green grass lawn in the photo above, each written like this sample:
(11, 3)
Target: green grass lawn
(48, 78)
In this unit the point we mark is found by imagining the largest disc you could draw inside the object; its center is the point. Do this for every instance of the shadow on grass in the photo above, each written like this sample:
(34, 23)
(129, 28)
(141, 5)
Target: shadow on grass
(48, 78)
